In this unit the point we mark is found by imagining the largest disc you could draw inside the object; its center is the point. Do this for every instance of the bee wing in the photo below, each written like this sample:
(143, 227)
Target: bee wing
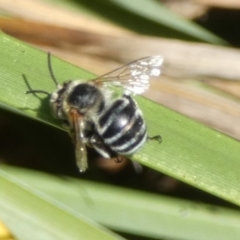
(133, 77)
(77, 127)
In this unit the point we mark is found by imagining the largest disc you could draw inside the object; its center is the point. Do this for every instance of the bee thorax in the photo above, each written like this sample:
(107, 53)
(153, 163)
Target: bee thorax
(86, 98)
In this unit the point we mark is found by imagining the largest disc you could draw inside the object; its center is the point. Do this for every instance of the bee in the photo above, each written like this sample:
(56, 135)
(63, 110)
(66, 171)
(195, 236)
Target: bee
(113, 126)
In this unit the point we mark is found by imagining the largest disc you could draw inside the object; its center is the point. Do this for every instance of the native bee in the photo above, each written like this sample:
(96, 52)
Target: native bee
(113, 126)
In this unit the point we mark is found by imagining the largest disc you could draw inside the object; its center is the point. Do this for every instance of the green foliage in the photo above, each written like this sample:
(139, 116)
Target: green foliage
(66, 209)
(147, 17)
(189, 152)
(52, 207)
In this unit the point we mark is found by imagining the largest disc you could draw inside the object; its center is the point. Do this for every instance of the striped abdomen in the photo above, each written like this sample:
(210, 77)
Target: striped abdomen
(122, 126)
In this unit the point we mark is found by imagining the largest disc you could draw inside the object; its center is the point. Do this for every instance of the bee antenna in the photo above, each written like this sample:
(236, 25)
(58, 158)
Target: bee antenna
(51, 70)
(32, 90)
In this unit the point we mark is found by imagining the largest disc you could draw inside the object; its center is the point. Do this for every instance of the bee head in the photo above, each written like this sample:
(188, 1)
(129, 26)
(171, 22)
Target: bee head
(57, 100)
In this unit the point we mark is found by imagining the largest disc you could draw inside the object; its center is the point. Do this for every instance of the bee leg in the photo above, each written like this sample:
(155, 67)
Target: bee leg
(157, 137)
(98, 144)
(119, 159)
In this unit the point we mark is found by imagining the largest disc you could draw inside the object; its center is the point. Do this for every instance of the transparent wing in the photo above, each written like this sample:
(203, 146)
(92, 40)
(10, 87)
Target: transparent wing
(77, 127)
(133, 77)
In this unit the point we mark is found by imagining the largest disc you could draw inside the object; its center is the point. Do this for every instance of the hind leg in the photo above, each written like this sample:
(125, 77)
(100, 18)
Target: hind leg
(98, 144)
(156, 137)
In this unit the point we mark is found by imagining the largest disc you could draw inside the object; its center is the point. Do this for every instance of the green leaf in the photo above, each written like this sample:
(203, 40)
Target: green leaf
(30, 212)
(51, 206)
(190, 152)
(148, 17)
(156, 12)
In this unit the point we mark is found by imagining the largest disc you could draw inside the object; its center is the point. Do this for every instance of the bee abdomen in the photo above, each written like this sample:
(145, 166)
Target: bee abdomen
(125, 130)
(131, 140)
